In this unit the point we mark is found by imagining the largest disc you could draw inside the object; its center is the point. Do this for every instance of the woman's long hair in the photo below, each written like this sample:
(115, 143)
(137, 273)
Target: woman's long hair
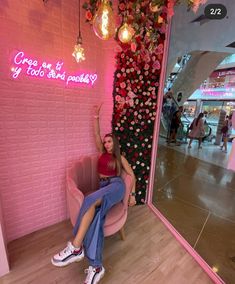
(116, 152)
(201, 114)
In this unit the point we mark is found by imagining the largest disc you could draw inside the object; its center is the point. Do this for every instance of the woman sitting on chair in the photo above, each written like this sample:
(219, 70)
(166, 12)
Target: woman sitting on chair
(88, 230)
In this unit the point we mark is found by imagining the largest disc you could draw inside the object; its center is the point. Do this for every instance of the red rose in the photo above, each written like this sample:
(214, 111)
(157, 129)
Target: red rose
(122, 6)
(89, 15)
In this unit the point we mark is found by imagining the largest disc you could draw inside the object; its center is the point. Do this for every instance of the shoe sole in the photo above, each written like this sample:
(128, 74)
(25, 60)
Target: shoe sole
(100, 277)
(62, 264)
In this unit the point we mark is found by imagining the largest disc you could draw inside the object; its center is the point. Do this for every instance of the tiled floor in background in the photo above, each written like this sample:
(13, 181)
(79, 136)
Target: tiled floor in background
(198, 198)
(209, 153)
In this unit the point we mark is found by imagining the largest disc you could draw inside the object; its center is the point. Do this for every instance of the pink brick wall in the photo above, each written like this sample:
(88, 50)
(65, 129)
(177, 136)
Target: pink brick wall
(45, 125)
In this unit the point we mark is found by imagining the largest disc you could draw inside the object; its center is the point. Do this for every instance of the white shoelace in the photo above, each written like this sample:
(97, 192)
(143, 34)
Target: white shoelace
(90, 274)
(67, 250)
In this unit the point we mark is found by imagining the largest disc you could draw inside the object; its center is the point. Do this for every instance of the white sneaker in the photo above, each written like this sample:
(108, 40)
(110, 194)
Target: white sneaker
(68, 255)
(94, 275)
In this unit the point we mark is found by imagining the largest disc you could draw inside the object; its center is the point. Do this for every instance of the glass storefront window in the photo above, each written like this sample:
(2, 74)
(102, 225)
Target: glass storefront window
(190, 109)
(229, 107)
(212, 108)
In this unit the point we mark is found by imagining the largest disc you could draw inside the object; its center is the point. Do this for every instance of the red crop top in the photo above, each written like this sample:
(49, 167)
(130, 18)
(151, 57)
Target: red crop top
(105, 165)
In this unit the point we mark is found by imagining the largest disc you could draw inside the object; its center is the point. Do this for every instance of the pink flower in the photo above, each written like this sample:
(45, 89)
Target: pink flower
(163, 29)
(156, 65)
(146, 67)
(117, 98)
(159, 49)
(130, 102)
(131, 95)
(146, 58)
(133, 47)
(123, 85)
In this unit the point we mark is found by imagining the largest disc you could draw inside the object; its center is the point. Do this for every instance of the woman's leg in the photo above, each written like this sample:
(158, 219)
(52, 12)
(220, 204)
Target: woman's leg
(85, 223)
(74, 250)
(225, 143)
(199, 142)
(190, 142)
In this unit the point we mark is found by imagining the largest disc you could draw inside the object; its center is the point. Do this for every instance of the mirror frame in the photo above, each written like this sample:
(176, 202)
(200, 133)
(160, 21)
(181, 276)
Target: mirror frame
(214, 276)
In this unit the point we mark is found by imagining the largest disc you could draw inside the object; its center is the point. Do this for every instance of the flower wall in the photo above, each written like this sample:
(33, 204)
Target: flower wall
(138, 68)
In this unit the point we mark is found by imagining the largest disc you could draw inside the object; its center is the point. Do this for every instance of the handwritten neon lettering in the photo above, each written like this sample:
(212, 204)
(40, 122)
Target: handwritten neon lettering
(53, 75)
(16, 72)
(33, 72)
(24, 60)
(33, 68)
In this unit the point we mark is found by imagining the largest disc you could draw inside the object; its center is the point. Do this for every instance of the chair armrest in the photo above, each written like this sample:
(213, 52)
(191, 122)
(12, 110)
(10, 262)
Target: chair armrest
(74, 200)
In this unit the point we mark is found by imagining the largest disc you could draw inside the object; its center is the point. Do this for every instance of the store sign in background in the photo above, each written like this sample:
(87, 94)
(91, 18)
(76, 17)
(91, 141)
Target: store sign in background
(213, 94)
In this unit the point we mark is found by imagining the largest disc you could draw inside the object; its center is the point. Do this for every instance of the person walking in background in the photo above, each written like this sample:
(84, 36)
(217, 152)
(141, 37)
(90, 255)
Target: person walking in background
(226, 132)
(197, 130)
(175, 124)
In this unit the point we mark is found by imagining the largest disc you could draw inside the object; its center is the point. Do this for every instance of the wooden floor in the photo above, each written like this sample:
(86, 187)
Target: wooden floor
(150, 254)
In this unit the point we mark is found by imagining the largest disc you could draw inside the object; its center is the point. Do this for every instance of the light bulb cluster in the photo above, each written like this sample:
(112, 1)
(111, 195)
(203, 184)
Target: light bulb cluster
(104, 27)
(104, 24)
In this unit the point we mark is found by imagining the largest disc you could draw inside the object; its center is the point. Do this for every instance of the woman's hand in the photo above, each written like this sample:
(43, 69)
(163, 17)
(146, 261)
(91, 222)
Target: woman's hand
(98, 141)
(97, 109)
(132, 201)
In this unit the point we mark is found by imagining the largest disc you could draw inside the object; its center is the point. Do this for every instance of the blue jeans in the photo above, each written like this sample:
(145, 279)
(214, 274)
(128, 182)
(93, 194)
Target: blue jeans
(111, 192)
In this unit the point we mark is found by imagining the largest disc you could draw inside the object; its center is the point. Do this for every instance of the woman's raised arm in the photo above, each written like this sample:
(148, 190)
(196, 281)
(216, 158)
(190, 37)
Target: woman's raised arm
(98, 141)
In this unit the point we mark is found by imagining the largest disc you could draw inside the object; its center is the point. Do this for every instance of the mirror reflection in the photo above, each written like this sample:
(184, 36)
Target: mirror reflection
(193, 187)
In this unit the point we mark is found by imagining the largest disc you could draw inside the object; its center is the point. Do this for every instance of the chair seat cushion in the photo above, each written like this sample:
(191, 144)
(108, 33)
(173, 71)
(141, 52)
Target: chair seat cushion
(115, 214)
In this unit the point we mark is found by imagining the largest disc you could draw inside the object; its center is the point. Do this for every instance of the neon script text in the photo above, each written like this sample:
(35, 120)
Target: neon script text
(34, 68)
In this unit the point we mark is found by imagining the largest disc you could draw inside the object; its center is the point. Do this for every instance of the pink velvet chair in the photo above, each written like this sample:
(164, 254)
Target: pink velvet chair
(83, 179)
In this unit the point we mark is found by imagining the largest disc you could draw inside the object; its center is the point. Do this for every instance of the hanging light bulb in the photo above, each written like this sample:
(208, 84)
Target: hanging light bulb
(125, 33)
(78, 52)
(103, 22)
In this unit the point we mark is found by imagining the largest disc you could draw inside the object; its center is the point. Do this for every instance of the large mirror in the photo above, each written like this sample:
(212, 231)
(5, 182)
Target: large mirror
(193, 188)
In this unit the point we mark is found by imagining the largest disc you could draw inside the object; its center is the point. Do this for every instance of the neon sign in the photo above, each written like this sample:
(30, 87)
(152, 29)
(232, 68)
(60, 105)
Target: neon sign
(33, 68)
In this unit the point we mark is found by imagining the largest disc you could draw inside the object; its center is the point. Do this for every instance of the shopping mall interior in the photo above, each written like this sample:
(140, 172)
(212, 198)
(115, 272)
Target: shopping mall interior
(193, 187)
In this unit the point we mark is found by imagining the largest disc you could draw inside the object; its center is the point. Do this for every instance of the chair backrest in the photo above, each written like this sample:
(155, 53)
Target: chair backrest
(84, 173)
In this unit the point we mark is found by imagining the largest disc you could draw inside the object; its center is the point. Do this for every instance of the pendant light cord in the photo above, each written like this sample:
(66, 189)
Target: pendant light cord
(79, 23)
(125, 13)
